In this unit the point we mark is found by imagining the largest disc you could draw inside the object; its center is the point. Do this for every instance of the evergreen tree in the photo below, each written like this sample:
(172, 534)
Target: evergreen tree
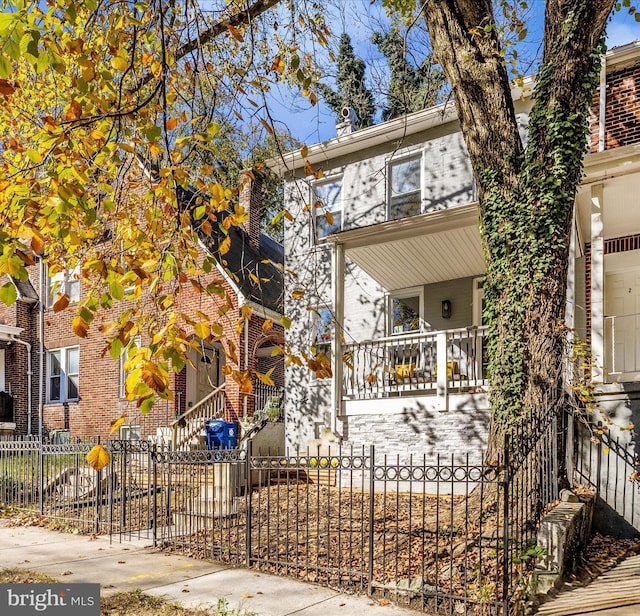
(351, 89)
(410, 88)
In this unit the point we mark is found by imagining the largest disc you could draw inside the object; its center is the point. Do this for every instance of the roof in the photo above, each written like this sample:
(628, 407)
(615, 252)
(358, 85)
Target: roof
(410, 124)
(258, 275)
(25, 289)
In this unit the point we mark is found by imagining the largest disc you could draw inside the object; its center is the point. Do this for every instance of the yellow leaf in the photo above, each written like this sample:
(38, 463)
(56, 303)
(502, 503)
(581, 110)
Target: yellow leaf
(98, 458)
(116, 423)
(61, 303)
(267, 325)
(225, 245)
(202, 329)
(172, 123)
(329, 217)
(297, 293)
(247, 313)
(80, 327)
(34, 156)
(266, 378)
(119, 63)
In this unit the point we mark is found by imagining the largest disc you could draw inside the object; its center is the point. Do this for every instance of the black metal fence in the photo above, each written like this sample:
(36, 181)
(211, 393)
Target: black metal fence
(449, 535)
(610, 464)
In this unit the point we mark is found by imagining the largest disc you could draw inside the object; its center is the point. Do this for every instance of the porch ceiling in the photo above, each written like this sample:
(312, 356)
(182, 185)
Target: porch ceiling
(421, 259)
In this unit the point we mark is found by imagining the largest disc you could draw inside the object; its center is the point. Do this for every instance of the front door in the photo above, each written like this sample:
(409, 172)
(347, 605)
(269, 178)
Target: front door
(207, 378)
(622, 325)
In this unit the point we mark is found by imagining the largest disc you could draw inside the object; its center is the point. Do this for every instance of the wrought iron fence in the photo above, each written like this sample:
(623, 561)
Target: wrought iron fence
(447, 535)
(610, 464)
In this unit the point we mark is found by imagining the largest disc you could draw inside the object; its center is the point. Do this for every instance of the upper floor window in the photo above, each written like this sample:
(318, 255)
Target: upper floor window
(327, 207)
(66, 282)
(405, 193)
(405, 311)
(63, 372)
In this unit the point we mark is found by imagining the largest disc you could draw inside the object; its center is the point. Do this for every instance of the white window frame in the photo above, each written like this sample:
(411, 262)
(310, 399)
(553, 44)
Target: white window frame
(123, 358)
(402, 294)
(3, 383)
(64, 282)
(64, 375)
(478, 297)
(398, 160)
(130, 432)
(338, 209)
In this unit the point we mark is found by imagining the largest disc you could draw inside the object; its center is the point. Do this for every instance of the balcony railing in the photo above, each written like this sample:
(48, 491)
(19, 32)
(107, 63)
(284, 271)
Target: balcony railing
(622, 347)
(441, 361)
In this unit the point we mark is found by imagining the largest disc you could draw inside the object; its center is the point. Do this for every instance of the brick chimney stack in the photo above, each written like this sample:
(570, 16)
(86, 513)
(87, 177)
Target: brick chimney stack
(250, 198)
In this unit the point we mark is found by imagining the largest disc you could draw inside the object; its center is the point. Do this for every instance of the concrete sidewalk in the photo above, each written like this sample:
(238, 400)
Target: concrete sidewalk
(124, 566)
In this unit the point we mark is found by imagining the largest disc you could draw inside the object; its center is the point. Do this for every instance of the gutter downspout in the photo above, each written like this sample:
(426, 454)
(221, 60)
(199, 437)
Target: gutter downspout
(602, 107)
(246, 363)
(41, 358)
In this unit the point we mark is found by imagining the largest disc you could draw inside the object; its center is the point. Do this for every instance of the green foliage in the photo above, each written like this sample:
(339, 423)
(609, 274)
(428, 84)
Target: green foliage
(350, 83)
(410, 88)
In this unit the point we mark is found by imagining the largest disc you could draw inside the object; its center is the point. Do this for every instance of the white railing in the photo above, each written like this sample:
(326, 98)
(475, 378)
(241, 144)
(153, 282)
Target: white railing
(622, 347)
(191, 423)
(442, 361)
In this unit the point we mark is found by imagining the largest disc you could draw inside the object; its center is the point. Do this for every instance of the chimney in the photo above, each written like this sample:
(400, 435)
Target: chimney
(250, 197)
(349, 122)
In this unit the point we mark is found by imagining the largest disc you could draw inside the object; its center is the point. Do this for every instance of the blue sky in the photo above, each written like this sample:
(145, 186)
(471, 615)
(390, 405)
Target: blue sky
(313, 124)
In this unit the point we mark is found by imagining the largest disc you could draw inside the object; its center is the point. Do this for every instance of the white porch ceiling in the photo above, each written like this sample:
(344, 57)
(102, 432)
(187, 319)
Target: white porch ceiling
(421, 259)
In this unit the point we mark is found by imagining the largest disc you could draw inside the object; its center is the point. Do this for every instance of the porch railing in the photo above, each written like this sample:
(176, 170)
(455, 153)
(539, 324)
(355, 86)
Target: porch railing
(622, 346)
(191, 422)
(441, 361)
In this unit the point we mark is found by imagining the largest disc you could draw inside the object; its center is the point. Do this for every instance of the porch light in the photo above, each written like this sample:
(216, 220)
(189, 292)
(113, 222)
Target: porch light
(446, 309)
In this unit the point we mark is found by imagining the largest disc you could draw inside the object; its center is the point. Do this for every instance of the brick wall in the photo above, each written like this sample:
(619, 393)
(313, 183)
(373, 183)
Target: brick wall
(622, 110)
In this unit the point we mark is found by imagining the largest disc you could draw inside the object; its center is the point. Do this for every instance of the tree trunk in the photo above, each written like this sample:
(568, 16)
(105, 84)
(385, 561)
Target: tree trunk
(526, 197)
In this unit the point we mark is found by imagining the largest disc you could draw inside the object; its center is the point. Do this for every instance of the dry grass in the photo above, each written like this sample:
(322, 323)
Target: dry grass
(134, 603)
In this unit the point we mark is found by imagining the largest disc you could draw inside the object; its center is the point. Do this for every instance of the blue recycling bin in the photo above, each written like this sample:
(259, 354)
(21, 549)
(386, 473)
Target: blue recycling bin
(221, 434)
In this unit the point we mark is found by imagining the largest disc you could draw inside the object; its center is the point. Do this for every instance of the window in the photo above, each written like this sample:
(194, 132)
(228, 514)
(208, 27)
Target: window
(63, 370)
(130, 433)
(405, 311)
(405, 194)
(66, 282)
(134, 342)
(327, 207)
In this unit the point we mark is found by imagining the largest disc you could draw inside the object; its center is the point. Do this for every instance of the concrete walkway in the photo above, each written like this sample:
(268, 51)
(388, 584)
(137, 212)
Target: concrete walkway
(615, 593)
(128, 565)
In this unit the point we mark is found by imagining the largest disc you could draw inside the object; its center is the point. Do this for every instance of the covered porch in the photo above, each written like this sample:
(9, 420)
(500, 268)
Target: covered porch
(430, 343)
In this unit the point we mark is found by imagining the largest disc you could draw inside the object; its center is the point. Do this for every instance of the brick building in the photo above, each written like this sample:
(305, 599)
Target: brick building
(82, 386)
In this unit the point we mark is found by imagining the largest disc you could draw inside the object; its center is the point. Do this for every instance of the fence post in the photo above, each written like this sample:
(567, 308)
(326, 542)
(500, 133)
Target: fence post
(505, 528)
(372, 485)
(248, 495)
(154, 514)
(40, 477)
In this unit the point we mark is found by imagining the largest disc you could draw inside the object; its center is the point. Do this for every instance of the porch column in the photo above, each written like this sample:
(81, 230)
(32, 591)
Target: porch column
(337, 287)
(597, 282)
(570, 310)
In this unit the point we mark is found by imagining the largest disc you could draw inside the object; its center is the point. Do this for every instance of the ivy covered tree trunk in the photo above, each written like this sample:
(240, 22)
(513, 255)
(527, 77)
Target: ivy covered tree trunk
(526, 195)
